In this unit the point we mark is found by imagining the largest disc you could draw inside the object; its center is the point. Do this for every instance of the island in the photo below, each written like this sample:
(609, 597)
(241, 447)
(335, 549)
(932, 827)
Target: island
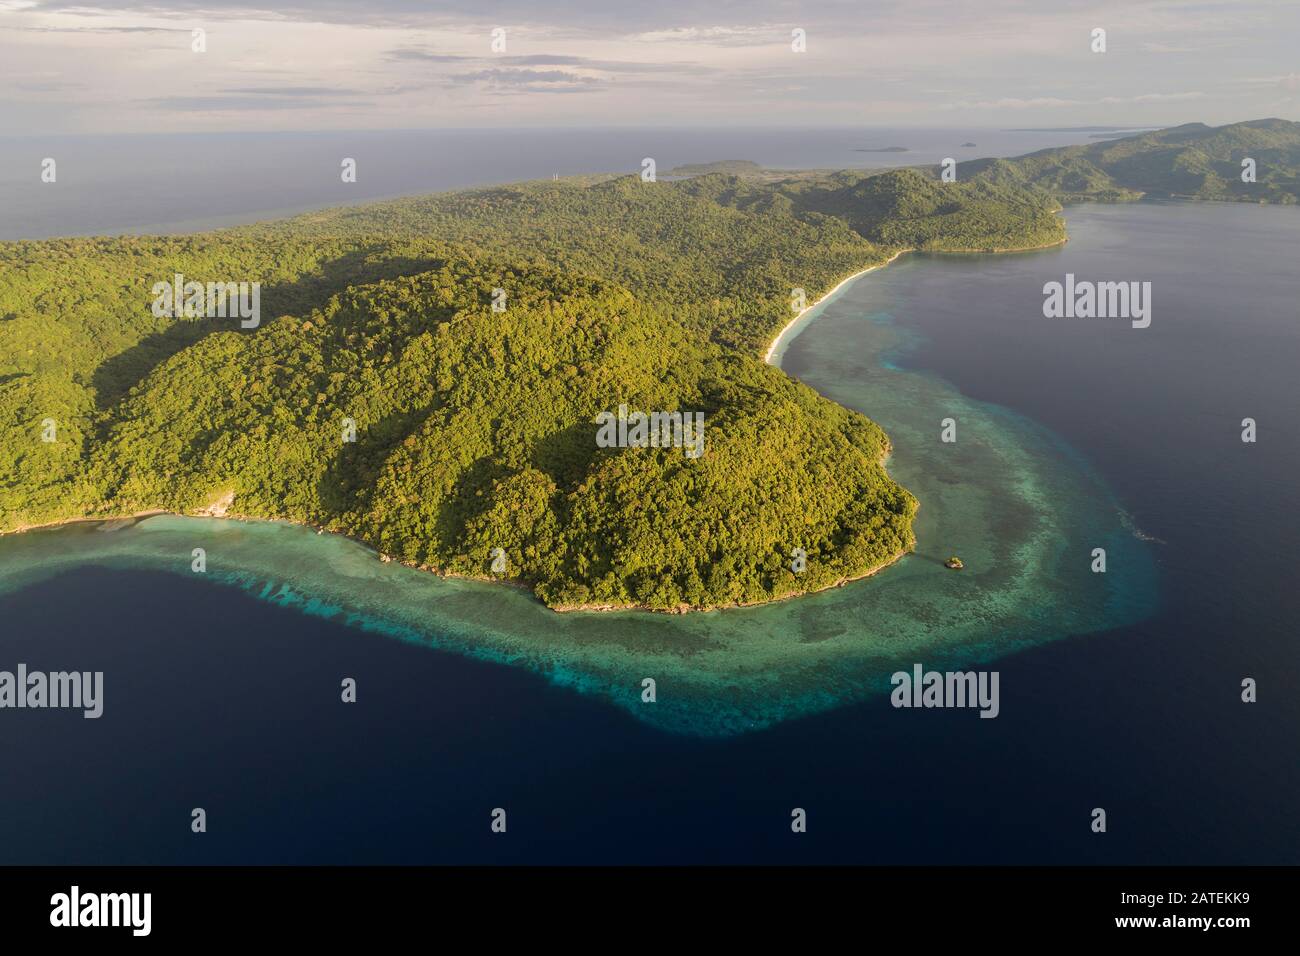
(1192, 161)
(429, 375)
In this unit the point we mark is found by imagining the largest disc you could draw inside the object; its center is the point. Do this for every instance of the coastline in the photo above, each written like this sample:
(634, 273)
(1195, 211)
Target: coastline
(222, 514)
(90, 519)
(131, 519)
(218, 510)
(692, 609)
(793, 323)
(776, 342)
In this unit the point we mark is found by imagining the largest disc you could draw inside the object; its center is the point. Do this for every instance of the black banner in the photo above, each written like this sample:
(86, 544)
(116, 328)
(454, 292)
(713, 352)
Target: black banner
(333, 904)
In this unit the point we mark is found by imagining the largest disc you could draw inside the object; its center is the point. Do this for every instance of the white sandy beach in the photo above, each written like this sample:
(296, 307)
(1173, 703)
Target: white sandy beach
(776, 342)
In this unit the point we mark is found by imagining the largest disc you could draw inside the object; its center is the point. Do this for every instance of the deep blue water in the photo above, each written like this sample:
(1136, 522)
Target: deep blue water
(222, 701)
(219, 701)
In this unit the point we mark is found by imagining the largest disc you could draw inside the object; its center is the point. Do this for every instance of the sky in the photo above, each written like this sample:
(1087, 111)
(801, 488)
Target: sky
(104, 66)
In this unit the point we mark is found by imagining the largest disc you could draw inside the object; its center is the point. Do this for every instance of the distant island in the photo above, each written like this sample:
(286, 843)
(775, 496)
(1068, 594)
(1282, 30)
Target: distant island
(882, 149)
(428, 373)
(1193, 161)
(968, 145)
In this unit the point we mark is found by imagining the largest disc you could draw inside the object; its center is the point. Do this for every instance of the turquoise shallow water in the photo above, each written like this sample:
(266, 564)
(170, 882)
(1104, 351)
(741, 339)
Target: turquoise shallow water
(218, 698)
(1021, 508)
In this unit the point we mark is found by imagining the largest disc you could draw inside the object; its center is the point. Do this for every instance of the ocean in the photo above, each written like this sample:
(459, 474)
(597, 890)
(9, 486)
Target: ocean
(1119, 691)
(166, 183)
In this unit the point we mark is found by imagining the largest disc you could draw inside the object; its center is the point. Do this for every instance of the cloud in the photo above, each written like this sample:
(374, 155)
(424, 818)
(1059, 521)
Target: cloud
(48, 86)
(427, 56)
(1013, 103)
(190, 104)
(608, 66)
(624, 17)
(533, 81)
(294, 91)
(552, 59)
(1153, 46)
(1151, 98)
(101, 30)
(682, 62)
(739, 36)
(1053, 102)
(1290, 82)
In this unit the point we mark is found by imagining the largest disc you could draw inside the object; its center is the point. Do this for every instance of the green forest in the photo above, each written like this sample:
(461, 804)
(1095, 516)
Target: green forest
(475, 427)
(1193, 161)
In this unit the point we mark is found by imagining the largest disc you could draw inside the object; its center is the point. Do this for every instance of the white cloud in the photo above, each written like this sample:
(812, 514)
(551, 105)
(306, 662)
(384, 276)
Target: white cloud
(1152, 98)
(901, 62)
(1014, 103)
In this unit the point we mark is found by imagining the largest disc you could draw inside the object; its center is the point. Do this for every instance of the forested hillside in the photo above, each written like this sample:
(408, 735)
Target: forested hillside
(1193, 161)
(475, 428)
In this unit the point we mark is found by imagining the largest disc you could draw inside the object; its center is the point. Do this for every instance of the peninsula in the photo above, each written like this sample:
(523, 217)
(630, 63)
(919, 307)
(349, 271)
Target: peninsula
(427, 375)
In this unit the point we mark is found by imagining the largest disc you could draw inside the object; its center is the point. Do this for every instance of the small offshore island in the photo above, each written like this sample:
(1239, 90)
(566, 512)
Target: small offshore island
(467, 343)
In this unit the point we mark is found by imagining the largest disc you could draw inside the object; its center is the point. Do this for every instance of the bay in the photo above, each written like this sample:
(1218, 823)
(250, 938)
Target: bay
(1119, 691)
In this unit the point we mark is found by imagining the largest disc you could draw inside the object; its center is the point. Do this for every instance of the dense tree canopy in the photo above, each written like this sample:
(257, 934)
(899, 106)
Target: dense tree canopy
(475, 428)
(1193, 161)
